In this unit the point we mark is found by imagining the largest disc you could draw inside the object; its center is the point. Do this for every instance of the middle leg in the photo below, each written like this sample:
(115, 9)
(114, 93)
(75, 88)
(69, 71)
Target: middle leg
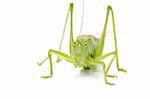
(60, 54)
(96, 62)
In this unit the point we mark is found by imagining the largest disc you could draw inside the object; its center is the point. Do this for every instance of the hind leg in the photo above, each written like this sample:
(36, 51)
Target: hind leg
(100, 46)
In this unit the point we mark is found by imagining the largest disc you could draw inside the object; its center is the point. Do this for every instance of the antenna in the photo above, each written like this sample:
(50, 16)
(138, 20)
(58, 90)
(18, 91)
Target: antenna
(82, 17)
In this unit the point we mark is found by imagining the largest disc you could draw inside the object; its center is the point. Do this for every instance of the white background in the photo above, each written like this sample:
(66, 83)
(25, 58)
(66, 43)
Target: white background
(28, 28)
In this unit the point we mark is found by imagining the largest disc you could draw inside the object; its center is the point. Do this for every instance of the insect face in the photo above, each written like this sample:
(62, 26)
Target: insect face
(80, 49)
(80, 53)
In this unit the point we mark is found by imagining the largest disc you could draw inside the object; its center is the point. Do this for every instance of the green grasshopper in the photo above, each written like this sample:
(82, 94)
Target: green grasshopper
(87, 51)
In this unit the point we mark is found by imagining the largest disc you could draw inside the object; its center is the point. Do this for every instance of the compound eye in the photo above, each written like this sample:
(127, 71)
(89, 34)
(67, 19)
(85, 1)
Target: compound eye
(74, 44)
(91, 55)
(85, 44)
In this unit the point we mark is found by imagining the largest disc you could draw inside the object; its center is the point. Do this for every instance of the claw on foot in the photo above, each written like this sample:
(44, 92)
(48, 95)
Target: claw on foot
(39, 64)
(123, 70)
(49, 76)
(110, 83)
(58, 60)
(112, 76)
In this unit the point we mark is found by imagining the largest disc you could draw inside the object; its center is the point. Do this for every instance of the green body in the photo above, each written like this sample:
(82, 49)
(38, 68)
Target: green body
(87, 51)
(83, 50)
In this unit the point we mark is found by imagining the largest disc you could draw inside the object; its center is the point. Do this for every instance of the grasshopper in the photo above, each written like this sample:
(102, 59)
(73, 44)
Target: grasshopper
(87, 51)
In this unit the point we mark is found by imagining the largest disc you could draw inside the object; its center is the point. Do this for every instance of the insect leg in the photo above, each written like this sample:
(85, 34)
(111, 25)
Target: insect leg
(71, 27)
(105, 56)
(60, 54)
(100, 46)
(96, 62)
(71, 34)
(112, 76)
(40, 63)
(71, 30)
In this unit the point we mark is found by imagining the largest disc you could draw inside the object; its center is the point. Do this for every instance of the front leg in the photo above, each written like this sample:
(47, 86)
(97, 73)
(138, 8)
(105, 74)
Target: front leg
(96, 62)
(59, 54)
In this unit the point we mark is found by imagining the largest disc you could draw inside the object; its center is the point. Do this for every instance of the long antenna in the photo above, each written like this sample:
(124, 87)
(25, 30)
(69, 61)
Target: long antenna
(82, 17)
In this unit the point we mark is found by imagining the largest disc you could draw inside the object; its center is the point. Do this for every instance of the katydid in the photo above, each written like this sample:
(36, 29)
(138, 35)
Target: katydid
(87, 50)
